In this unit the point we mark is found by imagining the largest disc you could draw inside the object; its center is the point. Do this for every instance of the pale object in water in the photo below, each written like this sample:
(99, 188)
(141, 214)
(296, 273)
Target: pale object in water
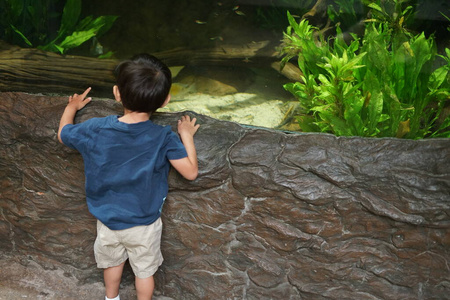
(175, 70)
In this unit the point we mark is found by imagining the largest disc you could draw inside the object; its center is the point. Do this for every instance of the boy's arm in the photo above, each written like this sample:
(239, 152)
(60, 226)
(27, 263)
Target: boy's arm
(76, 102)
(188, 166)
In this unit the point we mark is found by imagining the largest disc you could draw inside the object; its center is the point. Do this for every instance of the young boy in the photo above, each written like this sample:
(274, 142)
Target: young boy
(127, 160)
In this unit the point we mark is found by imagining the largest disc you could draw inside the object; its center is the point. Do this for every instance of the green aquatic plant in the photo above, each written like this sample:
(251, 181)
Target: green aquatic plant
(32, 23)
(379, 85)
(394, 13)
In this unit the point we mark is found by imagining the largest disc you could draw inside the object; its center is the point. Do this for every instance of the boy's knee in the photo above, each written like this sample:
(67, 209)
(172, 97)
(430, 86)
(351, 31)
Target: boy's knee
(145, 287)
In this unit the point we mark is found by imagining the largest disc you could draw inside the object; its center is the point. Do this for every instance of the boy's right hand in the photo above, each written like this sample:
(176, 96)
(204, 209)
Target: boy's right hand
(76, 102)
(186, 126)
(79, 101)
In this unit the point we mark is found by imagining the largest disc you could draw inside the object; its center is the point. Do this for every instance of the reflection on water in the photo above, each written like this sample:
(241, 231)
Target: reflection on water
(216, 71)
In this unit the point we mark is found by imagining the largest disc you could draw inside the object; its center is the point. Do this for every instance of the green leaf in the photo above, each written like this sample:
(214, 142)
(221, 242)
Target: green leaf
(292, 21)
(70, 16)
(443, 130)
(376, 7)
(76, 39)
(339, 126)
(375, 109)
(52, 48)
(321, 108)
(297, 89)
(307, 124)
(107, 55)
(98, 25)
(84, 24)
(437, 78)
(331, 12)
(108, 22)
(373, 102)
(353, 105)
(21, 35)
(91, 28)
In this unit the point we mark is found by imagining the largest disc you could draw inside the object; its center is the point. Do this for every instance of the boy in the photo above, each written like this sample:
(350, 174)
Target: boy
(127, 160)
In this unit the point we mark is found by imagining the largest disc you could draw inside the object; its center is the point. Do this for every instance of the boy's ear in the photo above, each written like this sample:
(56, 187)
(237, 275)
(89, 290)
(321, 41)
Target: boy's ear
(116, 93)
(166, 102)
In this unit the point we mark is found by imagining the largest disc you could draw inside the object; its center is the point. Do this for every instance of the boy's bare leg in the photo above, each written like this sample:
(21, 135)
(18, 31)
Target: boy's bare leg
(112, 277)
(145, 287)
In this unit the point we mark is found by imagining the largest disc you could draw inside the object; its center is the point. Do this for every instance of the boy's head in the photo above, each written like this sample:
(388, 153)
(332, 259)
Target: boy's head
(143, 83)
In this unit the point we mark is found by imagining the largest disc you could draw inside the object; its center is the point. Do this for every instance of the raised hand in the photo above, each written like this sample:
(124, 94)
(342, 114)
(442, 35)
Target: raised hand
(76, 102)
(79, 101)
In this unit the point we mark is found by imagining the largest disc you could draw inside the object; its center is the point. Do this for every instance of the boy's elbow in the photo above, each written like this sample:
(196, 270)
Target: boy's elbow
(59, 134)
(191, 175)
(185, 168)
(60, 139)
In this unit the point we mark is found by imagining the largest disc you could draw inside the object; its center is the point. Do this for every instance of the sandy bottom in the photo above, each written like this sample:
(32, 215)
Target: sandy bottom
(263, 104)
(244, 108)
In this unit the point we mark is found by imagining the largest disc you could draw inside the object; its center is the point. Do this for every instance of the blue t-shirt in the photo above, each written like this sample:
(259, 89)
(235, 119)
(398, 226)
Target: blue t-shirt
(126, 168)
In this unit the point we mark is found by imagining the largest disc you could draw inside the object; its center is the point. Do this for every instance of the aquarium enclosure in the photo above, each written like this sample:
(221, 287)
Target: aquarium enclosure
(373, 68)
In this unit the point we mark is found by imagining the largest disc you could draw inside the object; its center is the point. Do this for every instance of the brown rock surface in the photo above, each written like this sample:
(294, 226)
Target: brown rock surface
(271, 215)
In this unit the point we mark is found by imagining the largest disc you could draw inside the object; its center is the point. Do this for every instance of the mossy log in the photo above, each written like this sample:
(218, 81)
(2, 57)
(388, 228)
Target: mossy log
(36, 71)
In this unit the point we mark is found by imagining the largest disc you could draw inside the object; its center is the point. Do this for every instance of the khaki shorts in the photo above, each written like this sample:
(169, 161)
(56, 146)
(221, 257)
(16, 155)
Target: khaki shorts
(140, 244)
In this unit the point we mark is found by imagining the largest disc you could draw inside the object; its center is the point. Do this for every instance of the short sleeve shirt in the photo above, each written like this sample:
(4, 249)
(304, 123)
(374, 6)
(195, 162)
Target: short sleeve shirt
(126, 168)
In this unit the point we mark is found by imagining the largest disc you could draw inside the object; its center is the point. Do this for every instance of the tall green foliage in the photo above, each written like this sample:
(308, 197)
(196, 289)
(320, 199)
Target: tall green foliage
(380, 85)
(33, 23)
(396, 14)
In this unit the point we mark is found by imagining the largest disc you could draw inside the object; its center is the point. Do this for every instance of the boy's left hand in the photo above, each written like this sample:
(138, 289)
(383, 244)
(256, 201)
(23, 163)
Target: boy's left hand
(186, 126)
(79, 101)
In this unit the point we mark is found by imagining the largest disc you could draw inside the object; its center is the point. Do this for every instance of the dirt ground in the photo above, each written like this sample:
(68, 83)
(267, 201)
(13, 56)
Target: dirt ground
(18, 282)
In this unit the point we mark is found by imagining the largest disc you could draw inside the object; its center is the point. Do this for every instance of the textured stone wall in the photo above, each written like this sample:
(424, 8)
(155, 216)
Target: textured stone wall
(271, 215)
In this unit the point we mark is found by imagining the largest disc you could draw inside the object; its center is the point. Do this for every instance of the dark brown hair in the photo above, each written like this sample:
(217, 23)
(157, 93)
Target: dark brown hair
(144, 83)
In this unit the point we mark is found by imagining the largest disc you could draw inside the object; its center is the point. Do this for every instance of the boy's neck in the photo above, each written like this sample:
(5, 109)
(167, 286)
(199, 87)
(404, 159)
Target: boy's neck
(131, 117)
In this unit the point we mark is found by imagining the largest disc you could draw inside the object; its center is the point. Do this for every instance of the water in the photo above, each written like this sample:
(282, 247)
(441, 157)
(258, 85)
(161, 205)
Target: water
(222, 53)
